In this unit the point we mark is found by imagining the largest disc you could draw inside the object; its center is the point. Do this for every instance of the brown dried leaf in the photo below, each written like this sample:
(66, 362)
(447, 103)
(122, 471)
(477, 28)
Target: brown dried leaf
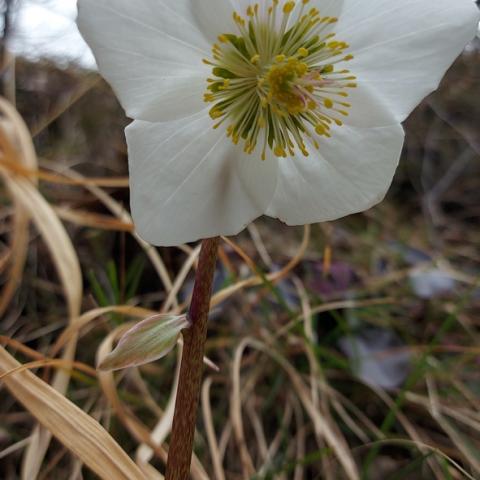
(76, 430)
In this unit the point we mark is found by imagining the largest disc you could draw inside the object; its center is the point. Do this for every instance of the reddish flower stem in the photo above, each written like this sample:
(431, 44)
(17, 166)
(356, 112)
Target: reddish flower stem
(191, 370)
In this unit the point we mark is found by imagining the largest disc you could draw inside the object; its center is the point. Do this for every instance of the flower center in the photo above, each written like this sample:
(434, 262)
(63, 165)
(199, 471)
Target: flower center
(277, 81)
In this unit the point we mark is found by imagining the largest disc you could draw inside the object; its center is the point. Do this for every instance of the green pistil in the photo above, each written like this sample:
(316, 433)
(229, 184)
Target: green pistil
(273, 86)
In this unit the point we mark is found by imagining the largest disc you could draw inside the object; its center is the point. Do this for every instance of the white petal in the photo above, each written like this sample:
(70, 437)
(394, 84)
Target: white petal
(326, 7)
(368, 109)
(402, 48)
(350, 173)
(213, 18)
(151, 52)
(188, 181)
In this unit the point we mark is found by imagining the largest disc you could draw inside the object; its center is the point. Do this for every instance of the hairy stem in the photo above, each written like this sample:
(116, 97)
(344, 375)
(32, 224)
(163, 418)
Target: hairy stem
(191, 370)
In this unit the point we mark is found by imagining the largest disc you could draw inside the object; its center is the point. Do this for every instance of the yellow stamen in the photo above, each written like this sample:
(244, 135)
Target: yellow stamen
(279, 81)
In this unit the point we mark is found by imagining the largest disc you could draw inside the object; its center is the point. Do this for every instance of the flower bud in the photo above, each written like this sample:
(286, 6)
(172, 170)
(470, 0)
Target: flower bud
(147, 341)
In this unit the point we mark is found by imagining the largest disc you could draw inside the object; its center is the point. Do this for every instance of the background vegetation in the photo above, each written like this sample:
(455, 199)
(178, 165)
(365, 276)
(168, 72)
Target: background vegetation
(342, 350)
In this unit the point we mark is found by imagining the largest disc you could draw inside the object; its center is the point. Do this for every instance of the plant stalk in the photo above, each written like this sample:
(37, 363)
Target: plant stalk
(191, 369)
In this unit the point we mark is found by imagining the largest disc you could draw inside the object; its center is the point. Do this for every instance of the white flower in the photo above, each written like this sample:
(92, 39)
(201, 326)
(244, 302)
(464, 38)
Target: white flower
(273, 78)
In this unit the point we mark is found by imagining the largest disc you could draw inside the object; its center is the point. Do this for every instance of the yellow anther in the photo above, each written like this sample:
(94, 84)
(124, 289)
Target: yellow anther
(215, 113)
(303, 52)
(302, 69)
(280, 151)
(288, 7)
(272, 83)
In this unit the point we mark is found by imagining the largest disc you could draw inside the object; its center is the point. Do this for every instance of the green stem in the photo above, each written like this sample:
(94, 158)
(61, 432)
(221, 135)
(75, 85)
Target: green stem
(191, 370)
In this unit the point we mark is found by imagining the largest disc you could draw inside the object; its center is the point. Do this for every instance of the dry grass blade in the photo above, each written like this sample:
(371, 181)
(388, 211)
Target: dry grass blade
(321, 424)
(17, 257)
(93, 220)
(301, 440)
(83, 89)
(64, 256)
(210, 431)
(463, 444)
(248, 468)
(274, 277)
(467, 417)
(163, 427)
(150, 472)
(412, 431)
(76, 430)
(327, 307)
(410, 443)
(119, 211)
(259, 245)
(179, 281)
(19, 346)
(50, 362)
(20, 445)
(40, 174)
(317, 378)
(21, 221)
(73, 330)
(258, 433)
(276, 443)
